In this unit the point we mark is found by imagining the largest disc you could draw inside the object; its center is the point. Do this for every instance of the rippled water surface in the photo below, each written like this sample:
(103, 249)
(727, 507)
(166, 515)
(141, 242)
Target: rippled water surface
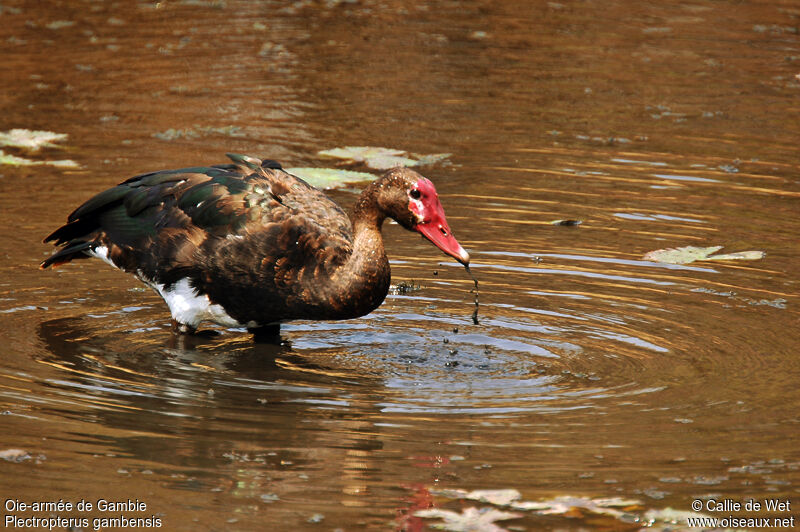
(592, 372)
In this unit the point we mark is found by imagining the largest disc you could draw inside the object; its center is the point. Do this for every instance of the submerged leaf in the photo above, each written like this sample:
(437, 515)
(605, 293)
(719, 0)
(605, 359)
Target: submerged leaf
(469, 520)
(330, 177)
(30, 140)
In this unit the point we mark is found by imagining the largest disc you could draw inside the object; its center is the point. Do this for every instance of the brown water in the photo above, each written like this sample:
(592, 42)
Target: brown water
(592, 373)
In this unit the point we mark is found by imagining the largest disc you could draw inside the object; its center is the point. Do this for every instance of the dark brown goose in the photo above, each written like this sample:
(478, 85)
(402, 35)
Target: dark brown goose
(250, 245)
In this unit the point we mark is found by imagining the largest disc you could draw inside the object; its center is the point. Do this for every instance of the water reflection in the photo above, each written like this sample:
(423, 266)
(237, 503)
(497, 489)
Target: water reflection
(592, 372)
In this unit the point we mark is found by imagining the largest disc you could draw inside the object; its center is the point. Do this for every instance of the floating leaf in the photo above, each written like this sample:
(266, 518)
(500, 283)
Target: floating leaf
(358, 153)
(14, 455)
(469, 520)
(567, 505)
(381, 158)
(30, 140)
(404, 287)
(498, 497)
(668, 519)
(623, 510)
(557, 505)
(269, 498)
(385, 162)
(172, 134)
(423, 160)
(62, 163)
(684, 255)
(13, 160)
(316, 518)
(58, 24)
(739, 255)
(330, 177)
(689, 254)
(198, 131)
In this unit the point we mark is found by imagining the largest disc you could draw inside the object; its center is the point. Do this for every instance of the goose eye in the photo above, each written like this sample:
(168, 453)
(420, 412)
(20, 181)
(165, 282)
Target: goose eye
(415, 194)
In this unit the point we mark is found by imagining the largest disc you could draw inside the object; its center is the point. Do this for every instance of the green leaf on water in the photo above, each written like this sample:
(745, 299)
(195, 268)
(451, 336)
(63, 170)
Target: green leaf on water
(381, 158)
(330, 177)
(30, 140)
(689, 254)
(469, 520)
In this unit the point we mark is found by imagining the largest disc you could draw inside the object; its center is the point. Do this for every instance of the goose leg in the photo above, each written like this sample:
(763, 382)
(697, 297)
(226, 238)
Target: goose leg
(267, 333)
(182, 328)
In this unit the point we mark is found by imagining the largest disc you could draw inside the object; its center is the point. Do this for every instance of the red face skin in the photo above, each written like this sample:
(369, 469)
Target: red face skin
(431, 222)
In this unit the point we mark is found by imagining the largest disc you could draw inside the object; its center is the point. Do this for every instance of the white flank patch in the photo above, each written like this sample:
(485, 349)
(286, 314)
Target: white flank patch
(185, 304)
(191, 308)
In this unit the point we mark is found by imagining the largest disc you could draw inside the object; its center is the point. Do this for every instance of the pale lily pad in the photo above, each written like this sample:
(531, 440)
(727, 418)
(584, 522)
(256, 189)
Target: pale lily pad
(689, 254)
(330, 177)
(469, 520)
(381, 158)
(30, 140)
(13, 160)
